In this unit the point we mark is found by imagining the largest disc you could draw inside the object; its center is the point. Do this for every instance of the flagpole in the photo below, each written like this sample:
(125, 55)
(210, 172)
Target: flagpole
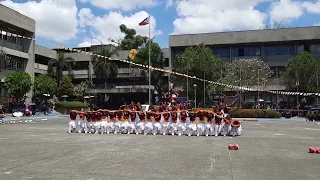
(149, 63)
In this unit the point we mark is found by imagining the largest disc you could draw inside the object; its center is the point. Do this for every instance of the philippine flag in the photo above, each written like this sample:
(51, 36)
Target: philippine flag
(145, 21)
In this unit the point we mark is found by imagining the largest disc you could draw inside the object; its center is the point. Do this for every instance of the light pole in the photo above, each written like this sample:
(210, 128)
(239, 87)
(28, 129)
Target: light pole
(195, 95)
(187, 85)
(297, 84)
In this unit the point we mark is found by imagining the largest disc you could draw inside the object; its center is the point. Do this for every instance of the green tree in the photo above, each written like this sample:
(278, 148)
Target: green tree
(4, 59)
(66, 87)
(302, 70)
(18, 84)
(57, 66)
(158, 80)
(197, 61)
(104, 68)
(81, 90)
(44, 84)
(130, 40)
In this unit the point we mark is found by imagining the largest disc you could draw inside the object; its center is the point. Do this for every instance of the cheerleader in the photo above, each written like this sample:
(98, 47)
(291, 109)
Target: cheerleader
(148, 127)
(217, 123)
(166, 122)
(104, 123)
(117, 125)
(112, 121)
(72, 123)
(236, 128)
(226, 126)
(98, 121)
(209, 124)
(89, 121)
(94, 122)
(174, 121)
(183, 122)
(140, 124)
(82, 122)
(192, 126)
(200, 126)
(133, 120)
(157, 122)
(125, 124)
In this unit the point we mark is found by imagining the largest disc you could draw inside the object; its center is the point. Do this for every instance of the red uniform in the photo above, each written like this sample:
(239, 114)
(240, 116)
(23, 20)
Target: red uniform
(119, 115)
(157, 117)
(235, 123)
(149, 115)
(210, 116)
(166, 116)
(105, 114)
(142, 116)
(201, 114)
(183, 115)
(193, 117)
(133, 116)
(73, 115)
(174, 117)
(89, 116)
(112, 115)
(125, 115)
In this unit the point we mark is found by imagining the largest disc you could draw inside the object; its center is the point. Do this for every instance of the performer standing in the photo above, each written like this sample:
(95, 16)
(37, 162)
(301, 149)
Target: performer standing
(166, 122)
(142, 119)
(112, 121)
(125, 124)
(157, 121)
(133, 118)
(117, 125)
(192, 126)
(183, 122)
(209, 124)
(148, 127)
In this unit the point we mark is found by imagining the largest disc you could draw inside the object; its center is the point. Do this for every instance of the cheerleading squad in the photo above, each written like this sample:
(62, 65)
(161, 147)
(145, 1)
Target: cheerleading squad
(181, 122)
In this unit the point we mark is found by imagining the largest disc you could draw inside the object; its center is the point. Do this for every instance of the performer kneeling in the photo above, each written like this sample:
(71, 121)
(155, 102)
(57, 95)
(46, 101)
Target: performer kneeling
(236, 128)
(166, 122)
(140, 125)
(183, 122)
(72, 123)
(133, 119)
(112, 121)
(157, 122)
(125, 124)
(192, 126)
(148, 127)
(226, 127)
(209, 124)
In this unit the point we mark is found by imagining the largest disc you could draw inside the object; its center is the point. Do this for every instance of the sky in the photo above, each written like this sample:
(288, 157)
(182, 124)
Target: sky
(73, 23)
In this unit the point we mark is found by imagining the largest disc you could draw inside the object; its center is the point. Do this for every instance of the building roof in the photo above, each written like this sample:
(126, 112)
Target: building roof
(243, 37)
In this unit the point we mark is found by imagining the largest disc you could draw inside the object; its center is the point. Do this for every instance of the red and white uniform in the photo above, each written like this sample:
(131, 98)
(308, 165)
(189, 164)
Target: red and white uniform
(140, 124)
(166, 121)
(173, 126)
(125, 124)
(72, 125)
(104, 122)
(117, 125)
(226, 126)
(192, 126)
(182, 125)
(218, 123)
(157, 122)
(133, 121)
(209, 124)
(148, 126)
(201, 124)
(112, 121)
(236, 128)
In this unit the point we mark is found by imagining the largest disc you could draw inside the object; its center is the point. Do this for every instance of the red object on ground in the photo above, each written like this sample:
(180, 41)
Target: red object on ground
(318, 151)
(312, 150)
(236, 147)
(230, 147)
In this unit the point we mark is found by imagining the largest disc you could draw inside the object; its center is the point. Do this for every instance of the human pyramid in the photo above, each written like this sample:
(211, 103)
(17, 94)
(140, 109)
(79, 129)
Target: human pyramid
(132, 120)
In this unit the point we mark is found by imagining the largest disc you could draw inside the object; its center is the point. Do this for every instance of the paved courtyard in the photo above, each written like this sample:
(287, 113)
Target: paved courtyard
(268, 150)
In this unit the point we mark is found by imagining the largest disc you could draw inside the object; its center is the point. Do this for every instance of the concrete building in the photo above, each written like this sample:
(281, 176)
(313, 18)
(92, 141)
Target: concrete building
(274, 46)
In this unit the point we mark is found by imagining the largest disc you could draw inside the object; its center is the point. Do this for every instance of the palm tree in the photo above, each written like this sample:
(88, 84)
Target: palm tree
(56, 66)
(103, 67)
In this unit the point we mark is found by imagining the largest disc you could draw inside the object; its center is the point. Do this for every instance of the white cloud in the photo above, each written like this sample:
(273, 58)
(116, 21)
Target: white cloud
(55, 19)
(200, 16)
(285, 10)
(312, 7)
(125, 5)
(107, 26)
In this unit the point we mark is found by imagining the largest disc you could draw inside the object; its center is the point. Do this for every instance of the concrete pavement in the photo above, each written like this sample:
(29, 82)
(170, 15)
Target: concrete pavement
(268, 151)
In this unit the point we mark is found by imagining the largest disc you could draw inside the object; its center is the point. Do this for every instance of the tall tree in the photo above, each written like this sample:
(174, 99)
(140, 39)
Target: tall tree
(44, 84)
(81, 90)
(57, 66)
(302, 70)
(103, 67)
(66, 87)
(197, 61)
(18, 84)
(130, 40)
(158, 80)
(248, 72)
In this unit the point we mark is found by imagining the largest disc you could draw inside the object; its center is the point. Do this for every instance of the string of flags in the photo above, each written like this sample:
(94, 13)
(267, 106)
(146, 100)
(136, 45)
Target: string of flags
(170, 71)
(185, 75)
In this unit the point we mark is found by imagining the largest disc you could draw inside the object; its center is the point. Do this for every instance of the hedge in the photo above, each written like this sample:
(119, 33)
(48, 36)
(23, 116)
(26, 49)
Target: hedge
(71, 104)
(254, 113)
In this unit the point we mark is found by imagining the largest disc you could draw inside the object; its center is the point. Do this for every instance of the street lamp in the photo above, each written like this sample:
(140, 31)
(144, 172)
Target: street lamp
(195, 95)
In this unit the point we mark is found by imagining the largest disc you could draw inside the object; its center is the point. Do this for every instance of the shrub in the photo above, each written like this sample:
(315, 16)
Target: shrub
(254, 113)
(71, 104)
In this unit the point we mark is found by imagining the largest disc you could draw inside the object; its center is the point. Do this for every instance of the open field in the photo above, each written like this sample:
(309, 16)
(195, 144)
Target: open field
(268, 150)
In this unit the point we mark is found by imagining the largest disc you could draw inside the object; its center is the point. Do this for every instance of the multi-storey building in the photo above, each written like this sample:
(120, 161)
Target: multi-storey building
(274, 46)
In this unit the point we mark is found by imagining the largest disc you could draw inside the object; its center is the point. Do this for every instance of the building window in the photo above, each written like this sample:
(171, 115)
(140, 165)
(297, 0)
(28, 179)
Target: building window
(279, 50)
(222, 52)
(166, 62)
(246, 51)
(315, 49)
